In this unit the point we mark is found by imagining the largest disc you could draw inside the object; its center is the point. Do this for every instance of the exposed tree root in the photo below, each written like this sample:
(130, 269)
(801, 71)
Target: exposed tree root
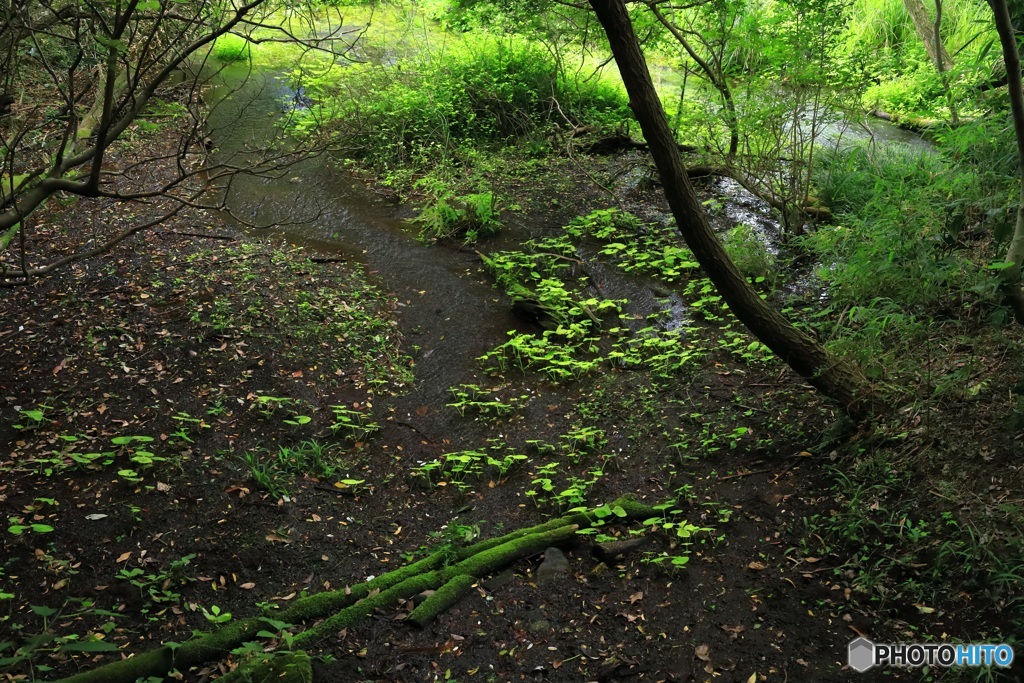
(449, 573)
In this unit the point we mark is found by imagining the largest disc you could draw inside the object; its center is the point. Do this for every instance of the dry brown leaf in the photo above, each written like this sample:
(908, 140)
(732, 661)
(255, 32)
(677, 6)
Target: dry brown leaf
(701, 652)
(812, 560)
(753, 678)
(757, 566)
(274, 537)
(124, 557)
(247, 586)
(639, 595)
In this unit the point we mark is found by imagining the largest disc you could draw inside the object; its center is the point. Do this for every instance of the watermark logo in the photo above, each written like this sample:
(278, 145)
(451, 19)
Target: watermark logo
(862, 654)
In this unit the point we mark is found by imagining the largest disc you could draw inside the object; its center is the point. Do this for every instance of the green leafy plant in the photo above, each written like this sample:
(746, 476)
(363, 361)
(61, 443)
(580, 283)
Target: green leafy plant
(470, 216)
(32, 418)
(232, 48)
(215, 615)
(352, 425)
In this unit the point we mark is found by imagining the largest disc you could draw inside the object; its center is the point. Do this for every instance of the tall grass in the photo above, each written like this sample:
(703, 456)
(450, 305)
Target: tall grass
(892, 258)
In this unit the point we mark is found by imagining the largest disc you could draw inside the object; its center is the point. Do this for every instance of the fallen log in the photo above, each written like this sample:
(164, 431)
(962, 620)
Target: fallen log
(342, 608)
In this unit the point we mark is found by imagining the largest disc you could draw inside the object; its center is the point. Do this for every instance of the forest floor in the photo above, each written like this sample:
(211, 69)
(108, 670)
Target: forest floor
(195, 428)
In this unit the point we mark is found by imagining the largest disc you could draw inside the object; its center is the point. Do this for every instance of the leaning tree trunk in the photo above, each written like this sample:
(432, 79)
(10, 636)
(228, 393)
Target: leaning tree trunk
(926, 30)
(1011, 275)
(833, 377)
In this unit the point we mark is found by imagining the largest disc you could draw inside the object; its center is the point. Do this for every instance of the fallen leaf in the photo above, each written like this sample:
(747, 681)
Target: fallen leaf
(96, 515)
(924, 610)
(247, 586)
(162, 487)
(123, 557)
(423, 411)
(757, 566)
(812, 560)
(274, 537)
(639, 595)
(753, 678)
(701, 652)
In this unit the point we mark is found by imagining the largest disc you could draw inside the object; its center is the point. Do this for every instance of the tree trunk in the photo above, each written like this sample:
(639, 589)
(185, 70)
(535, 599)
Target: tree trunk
(926, 30)
(950, 102)
(832, 376)
(1011, 275)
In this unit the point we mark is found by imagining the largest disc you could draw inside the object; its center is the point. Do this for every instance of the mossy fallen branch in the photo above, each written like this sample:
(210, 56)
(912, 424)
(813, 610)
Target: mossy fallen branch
(342, 608)
(442, 599)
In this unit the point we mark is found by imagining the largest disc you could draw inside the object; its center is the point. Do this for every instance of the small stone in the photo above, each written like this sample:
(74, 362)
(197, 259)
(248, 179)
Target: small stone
(499, 580)
(555, 564)
(540, 627)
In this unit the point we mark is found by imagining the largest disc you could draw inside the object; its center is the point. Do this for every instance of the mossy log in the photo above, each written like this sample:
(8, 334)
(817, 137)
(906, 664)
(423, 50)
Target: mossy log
(442, 599)
(343, 608)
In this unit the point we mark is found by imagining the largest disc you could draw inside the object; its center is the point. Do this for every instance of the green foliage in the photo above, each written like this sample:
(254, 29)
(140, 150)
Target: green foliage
(891, 238)
(880, 36)
(232, 48)
(750, 253)
(459, 466)
(470, 397)
(32, 418)
(274, 472)
(914, 92)
(480, 88)
(159, 587)
(471, 216)
(651, 249)
(352, 425)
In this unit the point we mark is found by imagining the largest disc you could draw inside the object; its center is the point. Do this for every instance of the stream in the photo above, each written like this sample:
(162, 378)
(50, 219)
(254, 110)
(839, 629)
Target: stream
(447, 308)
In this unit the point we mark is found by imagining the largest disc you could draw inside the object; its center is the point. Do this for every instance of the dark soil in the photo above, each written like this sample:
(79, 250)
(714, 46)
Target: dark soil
(177, 338)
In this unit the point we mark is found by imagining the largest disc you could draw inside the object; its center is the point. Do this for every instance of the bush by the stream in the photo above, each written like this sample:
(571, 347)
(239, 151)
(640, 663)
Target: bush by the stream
(904, 250)
(231, 48)
(477, 90)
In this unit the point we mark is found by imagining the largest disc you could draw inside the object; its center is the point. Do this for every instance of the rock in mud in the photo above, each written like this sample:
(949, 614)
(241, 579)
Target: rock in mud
(612, 551)
(554, 566)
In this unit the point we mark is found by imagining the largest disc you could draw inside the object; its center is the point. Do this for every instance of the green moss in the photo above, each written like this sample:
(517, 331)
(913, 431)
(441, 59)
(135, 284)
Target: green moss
(439, 603)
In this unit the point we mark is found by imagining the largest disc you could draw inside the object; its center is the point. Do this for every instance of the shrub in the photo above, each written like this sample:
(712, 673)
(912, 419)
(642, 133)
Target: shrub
(472, 216)
(892, 237)
(483, 89)
(231, 48)
(750, 253)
